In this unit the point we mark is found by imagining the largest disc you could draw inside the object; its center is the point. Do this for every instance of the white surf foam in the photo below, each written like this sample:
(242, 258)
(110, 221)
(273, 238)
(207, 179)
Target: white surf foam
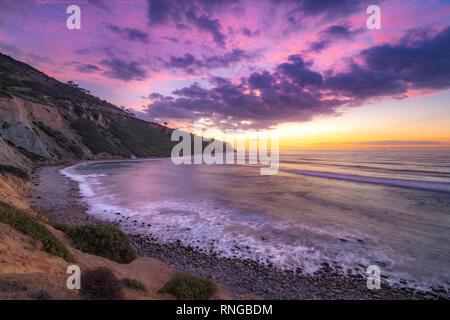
(210, 227)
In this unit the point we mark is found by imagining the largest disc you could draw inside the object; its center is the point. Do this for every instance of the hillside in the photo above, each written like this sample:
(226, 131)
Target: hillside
(44, 120)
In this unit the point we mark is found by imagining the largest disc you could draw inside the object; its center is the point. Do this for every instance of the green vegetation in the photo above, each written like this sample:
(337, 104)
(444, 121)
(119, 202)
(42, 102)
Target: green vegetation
(102, 127)
(139, 137)
(30, 226)
(133, 284)
(188, 287)
(20, 79)
(106, 241)
(97, 139)
(101, 284)
(42, 216)
(125, 136)
(62, 227)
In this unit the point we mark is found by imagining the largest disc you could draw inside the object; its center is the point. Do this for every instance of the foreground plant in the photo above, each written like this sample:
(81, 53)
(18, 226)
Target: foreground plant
(101, 284)
(133, 284)
(102, 240)
(29, 225)
(189, 287)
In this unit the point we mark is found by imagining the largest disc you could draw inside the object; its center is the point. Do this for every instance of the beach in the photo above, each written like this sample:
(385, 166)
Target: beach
(59, 197)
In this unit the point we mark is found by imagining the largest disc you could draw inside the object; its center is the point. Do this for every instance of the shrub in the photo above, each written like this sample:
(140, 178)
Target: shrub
(42, 295)
(42, 216)
(133, 284)
(30, 226)
(62, 227)
(106, 241)
(97, 139)
(188, 287)
(101, 284)
(12, 286)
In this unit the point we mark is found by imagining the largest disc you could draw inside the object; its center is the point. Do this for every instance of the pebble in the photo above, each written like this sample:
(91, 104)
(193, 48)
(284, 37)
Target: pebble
(237, 276)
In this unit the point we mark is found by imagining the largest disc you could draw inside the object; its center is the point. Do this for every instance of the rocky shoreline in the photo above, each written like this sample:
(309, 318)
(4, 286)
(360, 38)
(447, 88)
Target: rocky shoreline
(58, 197)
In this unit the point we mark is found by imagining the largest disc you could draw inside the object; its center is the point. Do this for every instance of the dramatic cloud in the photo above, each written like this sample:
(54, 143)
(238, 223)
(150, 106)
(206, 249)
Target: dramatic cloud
(175, 40)
(207, 24)
(99, 3)
(187, 61)
(298, 71)
(360, 84)
(160, 11)
(268, 61)
(295, 92)
(418, 59)
(331, 34)
(185, 13)
(249, 33)
(263, 98)
(331, 8)
(191, 64)
(129, 33)
(123, 70)
(86, 68)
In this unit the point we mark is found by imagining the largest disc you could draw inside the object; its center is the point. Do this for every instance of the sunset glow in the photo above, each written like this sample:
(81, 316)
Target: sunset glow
(169, 67)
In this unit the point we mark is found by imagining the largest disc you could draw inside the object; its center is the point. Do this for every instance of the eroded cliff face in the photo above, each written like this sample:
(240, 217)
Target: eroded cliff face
(10, 156)
(44, 120)
(38, 132)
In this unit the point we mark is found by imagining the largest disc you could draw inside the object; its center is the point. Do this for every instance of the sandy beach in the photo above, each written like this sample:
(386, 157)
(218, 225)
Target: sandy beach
(58, 197)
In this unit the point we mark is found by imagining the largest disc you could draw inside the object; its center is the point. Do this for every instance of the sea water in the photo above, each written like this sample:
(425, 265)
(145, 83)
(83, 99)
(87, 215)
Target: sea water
(353, 208)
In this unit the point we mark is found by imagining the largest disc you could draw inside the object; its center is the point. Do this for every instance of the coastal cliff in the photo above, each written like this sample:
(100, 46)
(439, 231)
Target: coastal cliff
(45, 122)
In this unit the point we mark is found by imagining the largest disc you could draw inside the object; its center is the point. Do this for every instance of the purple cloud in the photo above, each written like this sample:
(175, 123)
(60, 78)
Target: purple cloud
(420, 59)
(126, 71)
(86, 68)
(249, 33)
(295, 92)
(129, 33)
(331, 8)
(191, 64)
(263, 98)
(205, 23)
(331, 34)
(189, 13)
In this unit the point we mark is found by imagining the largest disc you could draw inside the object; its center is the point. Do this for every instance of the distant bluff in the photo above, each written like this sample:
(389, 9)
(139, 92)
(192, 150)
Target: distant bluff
(44, 120)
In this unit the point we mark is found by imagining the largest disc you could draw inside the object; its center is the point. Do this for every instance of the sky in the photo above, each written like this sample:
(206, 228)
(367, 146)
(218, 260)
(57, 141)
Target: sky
(309, 70)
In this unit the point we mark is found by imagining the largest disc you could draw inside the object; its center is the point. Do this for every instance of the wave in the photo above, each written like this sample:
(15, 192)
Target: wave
(442, 174)
(229, 232)
(406, 183)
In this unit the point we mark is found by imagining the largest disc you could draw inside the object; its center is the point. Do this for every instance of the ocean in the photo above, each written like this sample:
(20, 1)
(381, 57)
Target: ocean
(389, 208)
